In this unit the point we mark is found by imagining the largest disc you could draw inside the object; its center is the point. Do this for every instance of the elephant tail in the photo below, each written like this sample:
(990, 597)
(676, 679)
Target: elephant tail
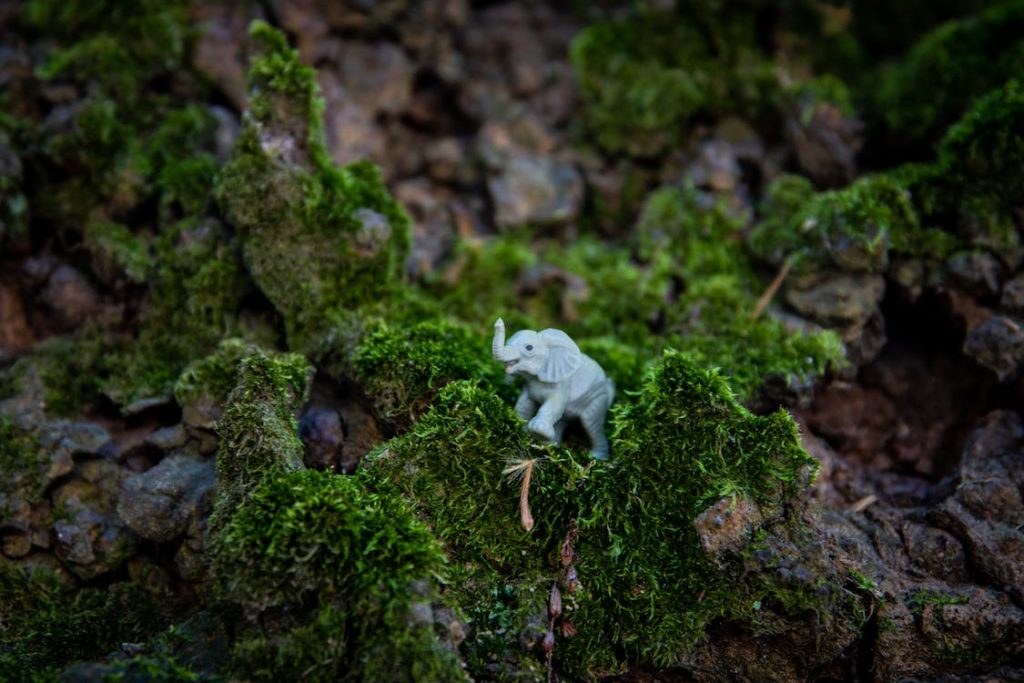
(610, 387)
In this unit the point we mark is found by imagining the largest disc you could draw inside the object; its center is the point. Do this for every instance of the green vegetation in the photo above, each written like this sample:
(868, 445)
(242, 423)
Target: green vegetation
(46, 626)
(949, 68)
(297, 543)
(319, 241)
(928, 211)
(684, 444)
(22, 465)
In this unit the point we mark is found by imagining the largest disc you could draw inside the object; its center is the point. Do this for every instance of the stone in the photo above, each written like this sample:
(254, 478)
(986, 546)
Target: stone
(837, 299)
(726, 526)
(161, 503)
(70, 296)
(998, 344)
(535, 190)
(168, 438)
(980, 273)
(826, 144)
(322, 435)
(996, 550)
(1012, 300)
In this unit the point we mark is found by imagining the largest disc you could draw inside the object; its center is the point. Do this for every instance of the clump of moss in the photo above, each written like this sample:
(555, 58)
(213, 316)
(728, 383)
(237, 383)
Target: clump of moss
(682, 446)
(22, 465)
(45, 627)
(401, 368)
(212, 378)
(333, 575)
(301, 542)
(713, 314)
(850, 228)
(949, 68)
(258, 430)
(450, 465)
(317, 239)
(926, 211)
(643, 77)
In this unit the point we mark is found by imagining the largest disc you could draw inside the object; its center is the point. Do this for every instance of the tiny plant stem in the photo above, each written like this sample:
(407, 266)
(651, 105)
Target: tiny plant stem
(525, 516)
(773, 288)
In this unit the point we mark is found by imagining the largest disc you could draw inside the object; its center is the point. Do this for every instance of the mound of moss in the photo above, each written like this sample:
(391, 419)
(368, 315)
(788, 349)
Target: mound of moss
(45, 625)
(319, 241)
(949, 68)
(625, 528)
(962, 200)
(334, 582)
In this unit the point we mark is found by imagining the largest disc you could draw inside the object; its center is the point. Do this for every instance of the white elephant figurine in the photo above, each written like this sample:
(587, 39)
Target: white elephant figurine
(562, 383)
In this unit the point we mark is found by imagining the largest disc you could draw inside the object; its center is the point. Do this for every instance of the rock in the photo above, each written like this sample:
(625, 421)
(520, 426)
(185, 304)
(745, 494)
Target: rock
(998, 344)
(842, 299)
(935, 552)
(980, 273)
(378, 76)
(90, 543)
(535, 190)
(1012, 300)
(220, 53)
(16, 337)
(161, 503)
(716, 167)
(71, 297)
(322, 434)
(352, 132)
(167, 438)
(991, 473)
(727, 525)
(190, 560)
(373, 234)
(996, 550)
(826, 144)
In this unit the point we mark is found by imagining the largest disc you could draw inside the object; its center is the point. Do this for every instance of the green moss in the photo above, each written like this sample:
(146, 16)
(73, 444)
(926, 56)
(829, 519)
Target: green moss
(302, 541)
(258, 430)
(333, 575)
(450, 465)
(985, 150)
(642, 78)
(401, 368)
(115, 244)
(921, 599)
(949, 68)
(212, 378)
(681, 446)
(45, 626)
(118, 47)
(316, 238)
(22, 465)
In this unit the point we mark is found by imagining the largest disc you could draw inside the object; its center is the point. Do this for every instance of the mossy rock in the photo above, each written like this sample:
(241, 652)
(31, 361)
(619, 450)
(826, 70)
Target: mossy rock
(684, 445)
(316, 238)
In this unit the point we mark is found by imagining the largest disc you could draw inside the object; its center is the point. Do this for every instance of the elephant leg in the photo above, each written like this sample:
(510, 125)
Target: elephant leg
(525, 406)
(560, 429)
(543, 423)
(593, 418)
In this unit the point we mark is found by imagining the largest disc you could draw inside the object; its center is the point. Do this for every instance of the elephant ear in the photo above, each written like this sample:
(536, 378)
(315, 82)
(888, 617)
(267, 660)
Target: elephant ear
(563, 359)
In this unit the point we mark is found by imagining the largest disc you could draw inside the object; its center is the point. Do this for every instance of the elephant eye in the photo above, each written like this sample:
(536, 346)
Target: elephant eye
(529, 347)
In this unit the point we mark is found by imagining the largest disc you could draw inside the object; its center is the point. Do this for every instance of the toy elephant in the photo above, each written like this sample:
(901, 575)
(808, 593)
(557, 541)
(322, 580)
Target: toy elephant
(562, 383)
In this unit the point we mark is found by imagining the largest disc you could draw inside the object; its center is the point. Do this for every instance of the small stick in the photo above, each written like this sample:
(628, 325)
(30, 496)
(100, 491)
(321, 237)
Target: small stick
(773, 288)
(525, 516)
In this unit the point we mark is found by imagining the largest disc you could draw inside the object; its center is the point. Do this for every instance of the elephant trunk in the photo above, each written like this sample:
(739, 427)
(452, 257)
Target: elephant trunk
(498, 344)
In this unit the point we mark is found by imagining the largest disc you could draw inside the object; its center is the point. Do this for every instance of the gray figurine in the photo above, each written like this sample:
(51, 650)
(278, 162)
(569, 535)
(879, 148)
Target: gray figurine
(562, 383)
